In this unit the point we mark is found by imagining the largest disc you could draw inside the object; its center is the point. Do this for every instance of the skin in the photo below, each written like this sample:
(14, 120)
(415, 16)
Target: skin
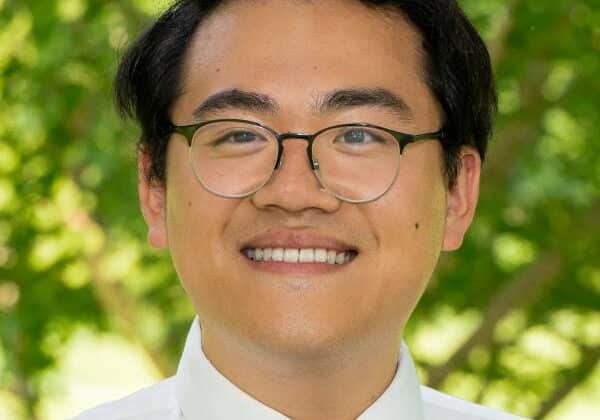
(302, 343)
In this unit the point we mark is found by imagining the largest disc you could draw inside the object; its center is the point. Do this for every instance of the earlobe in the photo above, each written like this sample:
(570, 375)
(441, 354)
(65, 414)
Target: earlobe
(462, 199)
(152, 195)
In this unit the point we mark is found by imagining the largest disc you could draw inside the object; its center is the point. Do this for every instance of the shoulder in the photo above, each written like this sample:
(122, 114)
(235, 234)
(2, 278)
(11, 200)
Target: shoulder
(154, 402)
(438, 405)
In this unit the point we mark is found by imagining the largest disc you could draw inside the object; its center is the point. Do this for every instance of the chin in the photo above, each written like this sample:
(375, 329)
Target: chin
(299, 335)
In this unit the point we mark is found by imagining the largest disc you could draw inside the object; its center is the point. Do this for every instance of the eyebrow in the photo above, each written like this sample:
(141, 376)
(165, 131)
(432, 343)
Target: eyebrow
(376, 97)
(236, 99)
(337, 100)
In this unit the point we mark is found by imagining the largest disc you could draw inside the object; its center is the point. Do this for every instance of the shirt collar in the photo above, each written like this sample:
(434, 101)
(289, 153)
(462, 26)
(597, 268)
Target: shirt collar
(203, 392)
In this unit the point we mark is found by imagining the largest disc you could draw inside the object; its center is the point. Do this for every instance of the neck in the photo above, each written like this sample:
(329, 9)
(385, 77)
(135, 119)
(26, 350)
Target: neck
(338, 383)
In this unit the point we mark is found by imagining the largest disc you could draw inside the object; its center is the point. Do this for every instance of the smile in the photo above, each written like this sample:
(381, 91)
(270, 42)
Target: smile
(300, 255)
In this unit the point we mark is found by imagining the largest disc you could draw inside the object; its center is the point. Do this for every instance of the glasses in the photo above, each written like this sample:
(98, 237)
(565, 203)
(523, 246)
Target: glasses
(357, 162)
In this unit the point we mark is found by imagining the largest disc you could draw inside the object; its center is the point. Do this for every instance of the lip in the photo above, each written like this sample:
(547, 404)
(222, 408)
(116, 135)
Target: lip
(287, 239)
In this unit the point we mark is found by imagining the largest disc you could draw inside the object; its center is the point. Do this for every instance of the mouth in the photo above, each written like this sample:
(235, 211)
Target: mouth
(298, 252)
(299, 255)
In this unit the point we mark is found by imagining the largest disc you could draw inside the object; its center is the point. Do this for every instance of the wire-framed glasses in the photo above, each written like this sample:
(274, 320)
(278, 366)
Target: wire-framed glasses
(356, 162)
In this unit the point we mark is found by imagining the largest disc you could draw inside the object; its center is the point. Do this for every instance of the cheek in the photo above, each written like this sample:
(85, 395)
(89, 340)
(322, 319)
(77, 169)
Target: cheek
(195, 222)
(410, 218)
(197, 249)
(409, 222)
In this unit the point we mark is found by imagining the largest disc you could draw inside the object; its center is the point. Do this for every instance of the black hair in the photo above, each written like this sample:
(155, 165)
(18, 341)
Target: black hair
(457, 69)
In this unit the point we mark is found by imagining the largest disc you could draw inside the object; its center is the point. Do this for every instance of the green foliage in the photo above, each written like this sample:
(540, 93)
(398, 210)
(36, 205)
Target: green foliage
(72, 248)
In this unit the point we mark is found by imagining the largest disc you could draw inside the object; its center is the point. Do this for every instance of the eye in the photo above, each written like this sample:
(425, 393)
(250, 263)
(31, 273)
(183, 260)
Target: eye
(239, 137)
(244, 136)
(359, 136)
(354, 136)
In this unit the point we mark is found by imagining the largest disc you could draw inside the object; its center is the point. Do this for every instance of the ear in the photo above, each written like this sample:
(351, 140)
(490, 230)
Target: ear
(462, 199)
(153, 202)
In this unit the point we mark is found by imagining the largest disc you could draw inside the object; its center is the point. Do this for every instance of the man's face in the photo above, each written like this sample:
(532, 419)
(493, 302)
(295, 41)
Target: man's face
(296, 52)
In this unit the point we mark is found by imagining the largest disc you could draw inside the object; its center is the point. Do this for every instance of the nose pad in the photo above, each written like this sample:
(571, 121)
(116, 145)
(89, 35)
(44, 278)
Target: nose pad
(316, 169)
(312, 162)
(315, 165)
(279, 160)
(283, 149)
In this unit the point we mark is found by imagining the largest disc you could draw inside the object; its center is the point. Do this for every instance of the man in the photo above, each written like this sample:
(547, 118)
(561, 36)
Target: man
(305, 163)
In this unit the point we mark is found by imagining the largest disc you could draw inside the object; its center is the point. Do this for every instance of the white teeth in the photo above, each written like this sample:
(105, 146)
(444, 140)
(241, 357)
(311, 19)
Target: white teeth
(320, 255)
(331, 257)
(294, 255)
(307, 255)
(290, 255)
(277, 254)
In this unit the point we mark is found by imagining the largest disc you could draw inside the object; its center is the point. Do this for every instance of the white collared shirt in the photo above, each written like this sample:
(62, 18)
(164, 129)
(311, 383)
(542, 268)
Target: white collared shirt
(198, 391)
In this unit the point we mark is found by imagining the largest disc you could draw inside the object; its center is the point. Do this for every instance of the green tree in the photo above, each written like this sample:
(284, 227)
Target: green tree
(525, 286)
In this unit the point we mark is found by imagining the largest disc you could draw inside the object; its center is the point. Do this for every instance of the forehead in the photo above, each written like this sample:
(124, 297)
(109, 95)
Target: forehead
(295, 50)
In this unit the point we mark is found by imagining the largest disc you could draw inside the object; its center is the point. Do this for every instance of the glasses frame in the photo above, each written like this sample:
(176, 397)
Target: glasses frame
(403, 139)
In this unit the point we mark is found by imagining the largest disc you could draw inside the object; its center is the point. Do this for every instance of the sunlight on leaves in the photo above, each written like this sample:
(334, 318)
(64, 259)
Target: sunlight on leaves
(80, 74)
(71, 10)
(435, 341)
(69, 389)
(30, 125)
(486, 11)
(35, 167)
(117, 263)
(577, 326)
(8, 198)
(510, 326)
(67, 195)
(151, 327)
(47, 250)
(515, 215)
(512, 251)
(151, 7)
(10, 405)
(13, 37)
(558, 80)
(9, 159)
(479, 358)
(76, 275)
(46, 216)
(5, 254)
(509, 98)
(463, 385)
(502, 395)
(543, 343)
(565, 136)
(9, 296)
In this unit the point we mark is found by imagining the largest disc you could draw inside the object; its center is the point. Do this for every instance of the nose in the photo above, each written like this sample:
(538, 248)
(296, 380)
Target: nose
(293, 186)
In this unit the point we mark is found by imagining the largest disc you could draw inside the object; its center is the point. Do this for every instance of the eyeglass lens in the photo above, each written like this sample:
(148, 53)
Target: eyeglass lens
(235, 159)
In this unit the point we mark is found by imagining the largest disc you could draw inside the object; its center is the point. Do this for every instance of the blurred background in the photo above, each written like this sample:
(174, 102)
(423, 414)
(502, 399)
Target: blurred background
(88, 312)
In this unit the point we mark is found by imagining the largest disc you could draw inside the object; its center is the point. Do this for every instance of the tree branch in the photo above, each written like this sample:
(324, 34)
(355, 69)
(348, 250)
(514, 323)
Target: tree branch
(574, 377)
(118, 304)
(496, 46)
(519, 134)
(518, 292)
